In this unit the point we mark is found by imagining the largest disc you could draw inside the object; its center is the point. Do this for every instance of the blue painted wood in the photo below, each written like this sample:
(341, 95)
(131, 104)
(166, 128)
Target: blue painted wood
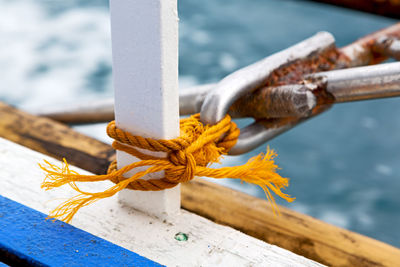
(29, 239)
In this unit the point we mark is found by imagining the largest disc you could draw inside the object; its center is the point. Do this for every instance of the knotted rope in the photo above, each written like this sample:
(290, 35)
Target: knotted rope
(188, 156)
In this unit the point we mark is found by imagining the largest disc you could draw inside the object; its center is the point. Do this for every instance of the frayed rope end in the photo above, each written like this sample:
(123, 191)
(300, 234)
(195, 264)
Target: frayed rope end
(261, 170)
(188, 156)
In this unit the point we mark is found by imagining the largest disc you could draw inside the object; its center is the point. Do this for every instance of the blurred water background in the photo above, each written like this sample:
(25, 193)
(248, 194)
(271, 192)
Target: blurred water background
(344, 165)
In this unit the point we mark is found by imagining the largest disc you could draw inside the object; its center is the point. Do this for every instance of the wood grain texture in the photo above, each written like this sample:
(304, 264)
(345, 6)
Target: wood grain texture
(54, 139)
(296, 232)
(208, 244)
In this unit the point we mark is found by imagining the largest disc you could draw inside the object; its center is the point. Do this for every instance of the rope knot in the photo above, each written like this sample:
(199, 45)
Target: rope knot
(185, 167)
(188, 156)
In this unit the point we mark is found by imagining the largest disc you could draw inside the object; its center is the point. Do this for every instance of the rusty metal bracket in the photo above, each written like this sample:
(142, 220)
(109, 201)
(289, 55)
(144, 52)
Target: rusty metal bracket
(306, 93)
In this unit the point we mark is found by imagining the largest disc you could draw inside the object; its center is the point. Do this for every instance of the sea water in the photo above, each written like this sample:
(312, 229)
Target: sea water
(343, 165)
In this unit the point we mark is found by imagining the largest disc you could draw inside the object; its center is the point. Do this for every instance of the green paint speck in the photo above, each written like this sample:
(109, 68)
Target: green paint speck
(181, 236)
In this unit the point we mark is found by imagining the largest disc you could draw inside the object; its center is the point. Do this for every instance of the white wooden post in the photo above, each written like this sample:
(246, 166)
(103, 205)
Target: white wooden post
(145, 70)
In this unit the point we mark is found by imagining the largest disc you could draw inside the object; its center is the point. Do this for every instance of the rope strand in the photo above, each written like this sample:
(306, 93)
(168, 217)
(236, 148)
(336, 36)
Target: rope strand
(187, 156)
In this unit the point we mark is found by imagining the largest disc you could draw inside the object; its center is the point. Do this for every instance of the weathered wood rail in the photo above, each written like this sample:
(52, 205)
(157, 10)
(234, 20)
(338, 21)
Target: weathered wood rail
(293, 231)
(182, 240)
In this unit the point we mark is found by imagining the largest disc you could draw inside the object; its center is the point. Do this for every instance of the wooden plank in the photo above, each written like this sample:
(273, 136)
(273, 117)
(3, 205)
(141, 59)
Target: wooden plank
(145, 71)
(202, 242)
(54, 139)
(37, 242)
(294, 231)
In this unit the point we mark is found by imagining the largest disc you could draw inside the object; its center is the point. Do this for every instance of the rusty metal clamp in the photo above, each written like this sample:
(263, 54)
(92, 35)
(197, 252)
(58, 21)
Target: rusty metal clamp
(345, 85)
(237, 84)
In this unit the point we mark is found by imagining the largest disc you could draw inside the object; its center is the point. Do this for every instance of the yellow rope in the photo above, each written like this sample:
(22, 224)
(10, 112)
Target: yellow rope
(187, 156)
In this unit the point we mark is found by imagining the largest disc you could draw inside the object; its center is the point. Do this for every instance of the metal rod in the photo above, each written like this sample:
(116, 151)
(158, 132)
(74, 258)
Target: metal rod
(343, 85)
(262, 131)
(257, 133)
(354, 84)
(362, 83)
(362, 52)
(84, 112)
(281, 102)
(388, 46)
(190, 101)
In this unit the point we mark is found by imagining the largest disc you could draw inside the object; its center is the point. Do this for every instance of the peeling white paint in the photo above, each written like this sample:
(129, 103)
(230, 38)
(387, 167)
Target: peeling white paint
(209, 244)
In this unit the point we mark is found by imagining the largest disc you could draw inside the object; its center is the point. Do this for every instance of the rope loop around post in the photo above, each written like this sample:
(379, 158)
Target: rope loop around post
(188, 156)
(197, 145)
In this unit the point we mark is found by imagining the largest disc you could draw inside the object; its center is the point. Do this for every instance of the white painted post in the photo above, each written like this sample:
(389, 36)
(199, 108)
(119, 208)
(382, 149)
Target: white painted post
(145, 70)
